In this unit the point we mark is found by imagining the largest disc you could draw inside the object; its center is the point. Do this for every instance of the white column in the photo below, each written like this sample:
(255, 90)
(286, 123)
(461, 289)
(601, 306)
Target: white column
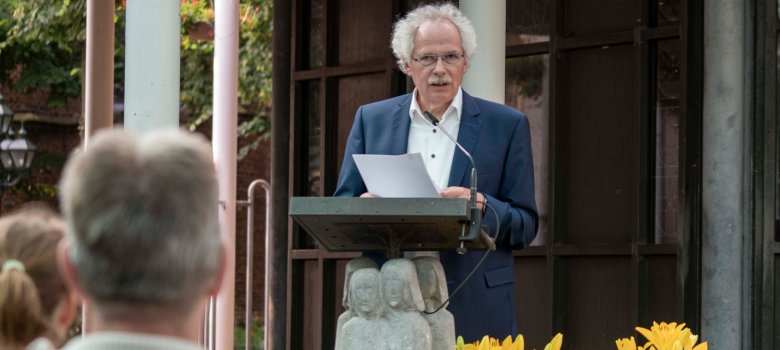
(726, 272)
(224, 140)
(152, 65)
(486, 73)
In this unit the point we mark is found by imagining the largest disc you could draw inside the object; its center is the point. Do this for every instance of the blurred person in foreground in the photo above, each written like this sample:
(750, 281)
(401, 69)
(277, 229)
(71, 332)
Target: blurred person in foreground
(143, 247)
(36, 308)
(433, 45)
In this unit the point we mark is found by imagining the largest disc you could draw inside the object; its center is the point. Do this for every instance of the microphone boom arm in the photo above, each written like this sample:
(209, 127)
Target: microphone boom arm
(475, 214)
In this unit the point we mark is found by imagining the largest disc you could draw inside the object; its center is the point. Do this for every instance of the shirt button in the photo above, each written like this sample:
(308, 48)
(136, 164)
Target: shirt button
(433, 156)
(434, 131)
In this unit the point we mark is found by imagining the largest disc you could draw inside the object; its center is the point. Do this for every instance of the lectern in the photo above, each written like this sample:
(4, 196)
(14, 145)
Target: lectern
(347, 224)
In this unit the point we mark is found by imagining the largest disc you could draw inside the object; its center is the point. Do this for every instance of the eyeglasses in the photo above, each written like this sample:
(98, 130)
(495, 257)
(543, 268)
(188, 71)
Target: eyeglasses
(428, 60)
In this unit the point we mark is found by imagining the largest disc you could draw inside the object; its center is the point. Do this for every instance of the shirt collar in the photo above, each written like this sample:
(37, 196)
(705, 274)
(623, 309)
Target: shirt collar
(455, 108)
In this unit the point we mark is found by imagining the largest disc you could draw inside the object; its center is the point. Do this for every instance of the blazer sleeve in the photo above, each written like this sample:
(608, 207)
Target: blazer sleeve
(350, 183)
(514, 203)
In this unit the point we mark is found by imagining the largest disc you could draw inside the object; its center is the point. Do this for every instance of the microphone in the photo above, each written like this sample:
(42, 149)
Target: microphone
(475, 214)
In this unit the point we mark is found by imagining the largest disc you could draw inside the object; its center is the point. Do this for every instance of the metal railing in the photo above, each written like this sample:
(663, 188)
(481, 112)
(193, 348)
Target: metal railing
(209, 327)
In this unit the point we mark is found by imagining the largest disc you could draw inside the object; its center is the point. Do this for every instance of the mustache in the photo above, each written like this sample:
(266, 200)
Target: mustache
(439, 79)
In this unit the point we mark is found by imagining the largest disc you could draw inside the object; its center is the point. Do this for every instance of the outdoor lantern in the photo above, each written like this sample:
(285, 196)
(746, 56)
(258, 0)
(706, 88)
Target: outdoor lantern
(16, 154)
(6, 117)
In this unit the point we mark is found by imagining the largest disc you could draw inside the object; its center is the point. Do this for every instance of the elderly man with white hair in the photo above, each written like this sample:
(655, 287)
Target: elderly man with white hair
(433, 45)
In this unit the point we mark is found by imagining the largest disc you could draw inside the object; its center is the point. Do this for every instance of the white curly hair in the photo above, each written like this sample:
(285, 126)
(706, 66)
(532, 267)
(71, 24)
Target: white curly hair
(404, 30)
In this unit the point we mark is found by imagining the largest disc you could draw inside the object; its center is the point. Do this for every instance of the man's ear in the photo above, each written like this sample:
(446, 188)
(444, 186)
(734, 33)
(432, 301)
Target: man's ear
(67, 271)
(219, 277)
(65, 312)
(407, 69)
(61, 319)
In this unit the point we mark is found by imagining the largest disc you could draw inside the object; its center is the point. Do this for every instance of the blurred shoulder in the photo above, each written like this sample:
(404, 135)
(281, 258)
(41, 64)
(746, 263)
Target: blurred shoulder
(41, 343)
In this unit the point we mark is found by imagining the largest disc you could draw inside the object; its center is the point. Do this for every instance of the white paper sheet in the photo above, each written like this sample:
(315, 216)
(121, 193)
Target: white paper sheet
(400, 176)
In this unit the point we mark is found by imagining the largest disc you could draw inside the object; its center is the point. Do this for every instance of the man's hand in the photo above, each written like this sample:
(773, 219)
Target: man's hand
(462, 192)
(368, 195)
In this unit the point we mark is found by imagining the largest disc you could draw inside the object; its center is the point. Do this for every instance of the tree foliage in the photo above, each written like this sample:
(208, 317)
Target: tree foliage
(254, 67)
(47, 40)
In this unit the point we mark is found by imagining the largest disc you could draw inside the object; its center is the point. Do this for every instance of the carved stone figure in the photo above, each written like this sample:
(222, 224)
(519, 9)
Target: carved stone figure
(433, 286)
(403, 304)
(367, 330)
(352, 266)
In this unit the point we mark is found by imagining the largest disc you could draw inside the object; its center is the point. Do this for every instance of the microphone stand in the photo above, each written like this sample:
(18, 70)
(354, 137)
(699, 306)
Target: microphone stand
(475, 214)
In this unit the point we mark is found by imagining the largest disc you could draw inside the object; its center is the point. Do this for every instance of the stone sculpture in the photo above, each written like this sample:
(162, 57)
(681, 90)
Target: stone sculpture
(367, 329)
(403, 304)
(399, 308)
(352, 266)
(433, 286)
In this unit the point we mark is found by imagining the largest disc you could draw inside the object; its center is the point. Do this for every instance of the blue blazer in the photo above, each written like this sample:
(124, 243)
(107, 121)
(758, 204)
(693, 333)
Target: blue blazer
(499, 139)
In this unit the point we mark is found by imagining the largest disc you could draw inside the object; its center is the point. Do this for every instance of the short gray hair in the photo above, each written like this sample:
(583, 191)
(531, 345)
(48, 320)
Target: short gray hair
(406, 28)
(143, 218)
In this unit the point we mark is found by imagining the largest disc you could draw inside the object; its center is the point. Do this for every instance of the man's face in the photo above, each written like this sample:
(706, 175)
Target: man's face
(438, 82)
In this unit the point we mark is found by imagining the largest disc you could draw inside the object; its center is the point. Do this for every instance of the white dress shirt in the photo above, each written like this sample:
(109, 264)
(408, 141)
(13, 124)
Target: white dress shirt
(436, 148)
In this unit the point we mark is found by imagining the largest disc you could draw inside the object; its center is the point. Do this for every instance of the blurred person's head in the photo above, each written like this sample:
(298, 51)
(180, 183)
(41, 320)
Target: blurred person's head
(143, 245)
(34, 300)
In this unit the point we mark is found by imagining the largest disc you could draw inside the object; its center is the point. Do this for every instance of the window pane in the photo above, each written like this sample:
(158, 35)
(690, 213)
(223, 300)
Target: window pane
(307, 141)
(313, 129)
(777, 151)
(314, 34)
(354, 91)
(528, 21)
(667, 142)
(597, 133)
(597, 290)
(662, 273)
(582, 18)
(527, 86)
(668, 12)
(372, 42)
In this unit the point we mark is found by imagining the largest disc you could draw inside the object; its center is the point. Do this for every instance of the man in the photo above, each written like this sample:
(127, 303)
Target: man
(433, 45)
(143, 247)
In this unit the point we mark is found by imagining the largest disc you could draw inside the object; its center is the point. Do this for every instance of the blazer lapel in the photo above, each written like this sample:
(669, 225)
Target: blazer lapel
(400, 128)
(468, 132)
